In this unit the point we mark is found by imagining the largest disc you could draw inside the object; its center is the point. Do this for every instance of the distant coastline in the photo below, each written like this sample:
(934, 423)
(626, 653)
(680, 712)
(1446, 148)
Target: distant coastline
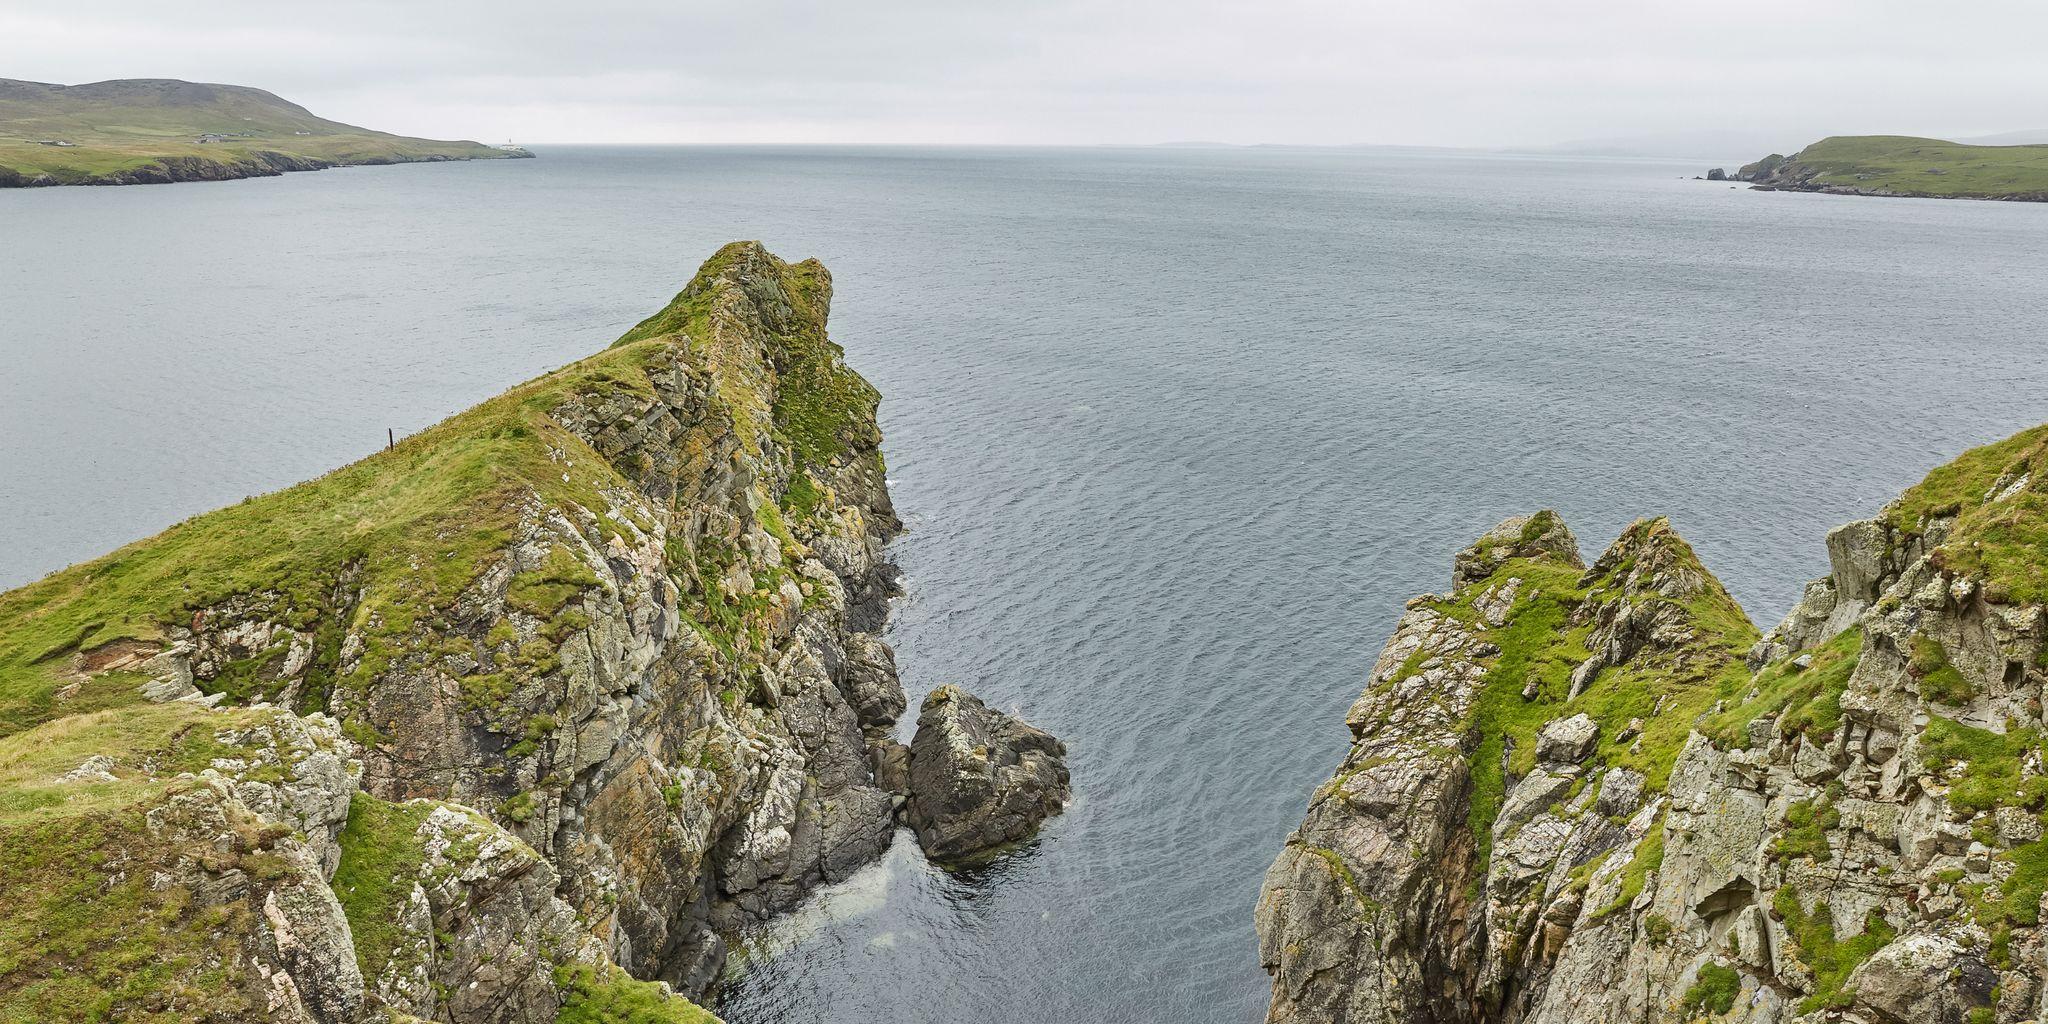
(160, 131)
(1902, 166)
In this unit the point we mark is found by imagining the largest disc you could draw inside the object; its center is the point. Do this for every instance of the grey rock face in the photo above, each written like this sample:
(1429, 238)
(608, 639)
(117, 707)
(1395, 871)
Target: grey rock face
(1923, 979)
(979, 778)
(1808, 836)
(1567, 740)
(293, 946)
(483, 931)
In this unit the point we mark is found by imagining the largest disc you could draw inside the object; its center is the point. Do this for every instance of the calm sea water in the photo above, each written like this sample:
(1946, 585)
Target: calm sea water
(1176, 433)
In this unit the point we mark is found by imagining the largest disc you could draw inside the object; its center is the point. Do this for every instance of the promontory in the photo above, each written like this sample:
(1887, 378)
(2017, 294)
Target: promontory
(519, 721)
(1904, 166)
(155, 130)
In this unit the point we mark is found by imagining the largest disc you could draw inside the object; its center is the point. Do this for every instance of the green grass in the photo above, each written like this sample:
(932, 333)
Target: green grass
(1924, 167)
(381, 853)
(88, 935)
(1992, 776)
(1648, 857)
(1538, 643)
(2018, 902)
(1940, 682)
(412, 527)
(1532, 645)
(149, 744)
(1831, 960)
(1807, 824)
(611, 997)
(126, 126)
(419, 522)
(87, 938)
(821, 409)
(379, 549)
(1713, 992)
(1804, 701)
(1992, 773)
(1999, 541)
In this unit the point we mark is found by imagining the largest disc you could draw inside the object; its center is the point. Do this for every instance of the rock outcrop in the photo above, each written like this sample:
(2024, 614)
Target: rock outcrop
(1593, 796)
(567, 688)
(979, 779)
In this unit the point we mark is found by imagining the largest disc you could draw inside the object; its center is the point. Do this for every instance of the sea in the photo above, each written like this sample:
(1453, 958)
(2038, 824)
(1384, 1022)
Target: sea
(1176, 433)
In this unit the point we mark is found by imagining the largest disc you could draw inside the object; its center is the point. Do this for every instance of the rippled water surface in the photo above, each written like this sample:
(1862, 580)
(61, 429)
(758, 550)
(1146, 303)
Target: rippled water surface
(1176, 434)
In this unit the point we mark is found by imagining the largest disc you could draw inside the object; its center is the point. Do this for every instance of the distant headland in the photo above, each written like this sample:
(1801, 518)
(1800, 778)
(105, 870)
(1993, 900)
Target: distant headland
(144, 131)
(1902, 165)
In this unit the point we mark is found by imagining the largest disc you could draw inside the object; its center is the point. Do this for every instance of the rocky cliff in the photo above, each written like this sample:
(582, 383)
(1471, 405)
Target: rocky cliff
(552, 696)
(1583, 795)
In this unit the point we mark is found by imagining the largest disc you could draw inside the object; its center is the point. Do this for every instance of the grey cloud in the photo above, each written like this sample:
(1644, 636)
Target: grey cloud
(1300, 71)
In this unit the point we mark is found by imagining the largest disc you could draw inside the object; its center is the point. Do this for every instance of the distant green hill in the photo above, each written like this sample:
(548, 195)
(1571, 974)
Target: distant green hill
(1901, 165)
(147, 130)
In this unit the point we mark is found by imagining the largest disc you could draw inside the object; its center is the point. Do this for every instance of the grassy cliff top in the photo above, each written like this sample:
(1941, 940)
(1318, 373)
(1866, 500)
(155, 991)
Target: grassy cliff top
(421, 521)
(1906, 165)
(1994, 493)
(1555, 624)
(122, 126)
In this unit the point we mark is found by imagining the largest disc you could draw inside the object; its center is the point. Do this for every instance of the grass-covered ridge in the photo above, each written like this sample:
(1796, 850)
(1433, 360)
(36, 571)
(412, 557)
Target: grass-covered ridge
(388, 543)
(1545, 637)
(1800, 699)
(1994, 496)
(153, 128)
(1905, 165)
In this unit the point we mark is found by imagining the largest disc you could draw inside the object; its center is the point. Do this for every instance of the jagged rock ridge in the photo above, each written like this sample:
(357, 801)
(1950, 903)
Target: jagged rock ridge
(573, 684)
(1581, 796)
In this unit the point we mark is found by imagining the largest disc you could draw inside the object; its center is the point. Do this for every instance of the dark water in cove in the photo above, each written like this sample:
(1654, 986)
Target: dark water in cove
(1176, 434)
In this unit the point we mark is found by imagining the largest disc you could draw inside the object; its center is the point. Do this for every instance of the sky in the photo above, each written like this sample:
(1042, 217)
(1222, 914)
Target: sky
(1684, 77)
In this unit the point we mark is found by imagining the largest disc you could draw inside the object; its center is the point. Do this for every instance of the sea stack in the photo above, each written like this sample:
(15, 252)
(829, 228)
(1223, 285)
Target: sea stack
(979, 779)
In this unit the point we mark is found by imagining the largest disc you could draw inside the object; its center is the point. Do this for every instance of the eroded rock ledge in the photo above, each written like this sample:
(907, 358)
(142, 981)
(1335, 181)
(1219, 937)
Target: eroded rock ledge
(1595, 795)
(564, 689)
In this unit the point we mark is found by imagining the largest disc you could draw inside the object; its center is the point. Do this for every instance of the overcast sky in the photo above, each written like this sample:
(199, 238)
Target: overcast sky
(1122, 71)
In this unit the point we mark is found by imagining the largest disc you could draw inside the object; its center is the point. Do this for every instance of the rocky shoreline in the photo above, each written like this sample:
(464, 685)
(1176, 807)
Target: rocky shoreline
(1591, 795)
